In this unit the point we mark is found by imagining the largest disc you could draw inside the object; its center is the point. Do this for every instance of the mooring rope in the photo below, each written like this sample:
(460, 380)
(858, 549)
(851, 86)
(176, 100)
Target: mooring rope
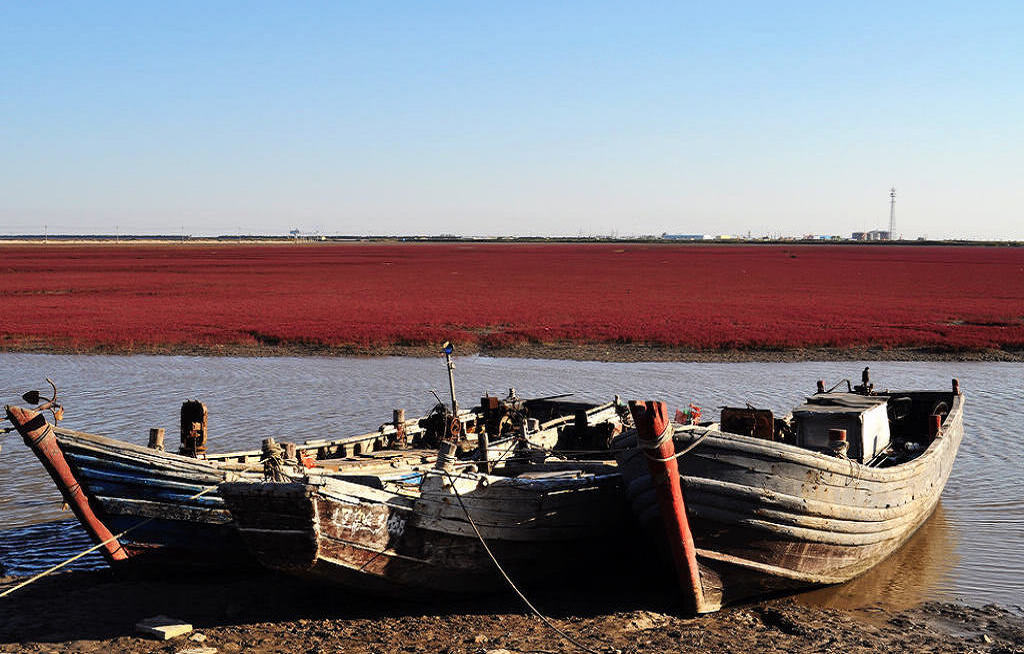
(686, 450)
(92, 549)
(508, 579)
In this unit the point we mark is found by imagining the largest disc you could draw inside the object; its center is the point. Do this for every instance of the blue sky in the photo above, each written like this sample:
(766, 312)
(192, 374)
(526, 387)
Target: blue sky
(526, 118)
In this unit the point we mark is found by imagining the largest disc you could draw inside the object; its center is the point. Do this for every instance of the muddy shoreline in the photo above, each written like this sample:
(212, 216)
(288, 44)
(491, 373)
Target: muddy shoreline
(618, 352)
(96, 612)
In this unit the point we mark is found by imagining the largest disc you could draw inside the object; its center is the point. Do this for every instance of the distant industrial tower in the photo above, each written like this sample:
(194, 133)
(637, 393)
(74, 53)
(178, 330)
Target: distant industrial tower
(892, 213)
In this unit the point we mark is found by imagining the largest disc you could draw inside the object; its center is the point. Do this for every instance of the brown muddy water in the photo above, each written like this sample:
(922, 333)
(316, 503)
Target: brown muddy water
(971, 550)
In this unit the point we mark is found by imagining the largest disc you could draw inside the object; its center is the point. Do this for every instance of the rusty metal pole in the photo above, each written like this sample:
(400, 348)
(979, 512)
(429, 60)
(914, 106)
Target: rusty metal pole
(448, 349)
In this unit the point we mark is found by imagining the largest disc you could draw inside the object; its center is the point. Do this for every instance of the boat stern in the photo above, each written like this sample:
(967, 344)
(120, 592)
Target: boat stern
(277, 521)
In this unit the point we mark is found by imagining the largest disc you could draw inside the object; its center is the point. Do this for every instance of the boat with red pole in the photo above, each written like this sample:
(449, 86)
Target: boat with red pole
(754, 505)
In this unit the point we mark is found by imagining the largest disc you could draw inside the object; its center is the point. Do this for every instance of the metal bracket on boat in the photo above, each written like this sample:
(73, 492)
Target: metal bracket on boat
(50, 404)
(865, 387)
(448, 348)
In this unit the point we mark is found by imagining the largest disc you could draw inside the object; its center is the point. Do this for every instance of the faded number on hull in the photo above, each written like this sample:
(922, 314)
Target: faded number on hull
(396, 525)
(368, 524)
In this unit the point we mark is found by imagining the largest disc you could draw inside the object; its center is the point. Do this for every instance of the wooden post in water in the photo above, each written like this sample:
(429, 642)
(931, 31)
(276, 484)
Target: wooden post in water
(156, 439)
(654, 437)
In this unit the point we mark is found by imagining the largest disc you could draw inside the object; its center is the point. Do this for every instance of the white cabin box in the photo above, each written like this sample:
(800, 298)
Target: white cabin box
(864, 417)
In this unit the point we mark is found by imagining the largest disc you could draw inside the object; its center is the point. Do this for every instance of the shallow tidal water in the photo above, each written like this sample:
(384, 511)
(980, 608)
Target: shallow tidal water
(972, 549)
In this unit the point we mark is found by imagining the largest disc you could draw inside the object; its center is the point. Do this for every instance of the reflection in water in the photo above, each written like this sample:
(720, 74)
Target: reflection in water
(917, 572)
(971, 550)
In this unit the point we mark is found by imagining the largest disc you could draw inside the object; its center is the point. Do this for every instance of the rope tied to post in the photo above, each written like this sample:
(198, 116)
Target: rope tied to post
(686, 450)
(272, 458)
(666, 435)
(661, 439)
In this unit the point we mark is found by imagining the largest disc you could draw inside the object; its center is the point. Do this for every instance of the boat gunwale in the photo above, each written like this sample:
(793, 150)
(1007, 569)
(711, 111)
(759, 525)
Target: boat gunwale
(789, 453)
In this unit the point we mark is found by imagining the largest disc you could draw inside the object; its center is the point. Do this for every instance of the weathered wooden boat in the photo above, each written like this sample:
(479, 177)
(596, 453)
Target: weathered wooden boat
(541, 515)
(168, 500)
(757, 505)
(170, 503)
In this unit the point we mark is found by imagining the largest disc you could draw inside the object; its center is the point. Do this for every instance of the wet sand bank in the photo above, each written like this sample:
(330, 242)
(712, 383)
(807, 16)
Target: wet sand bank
(618, 352)
(96, 612)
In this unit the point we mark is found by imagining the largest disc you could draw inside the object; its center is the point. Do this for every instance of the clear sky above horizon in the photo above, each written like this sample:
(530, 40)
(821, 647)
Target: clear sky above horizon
(512, 118)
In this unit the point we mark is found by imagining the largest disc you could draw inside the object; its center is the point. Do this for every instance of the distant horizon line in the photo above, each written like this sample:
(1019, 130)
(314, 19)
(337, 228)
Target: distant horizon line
(450, 238)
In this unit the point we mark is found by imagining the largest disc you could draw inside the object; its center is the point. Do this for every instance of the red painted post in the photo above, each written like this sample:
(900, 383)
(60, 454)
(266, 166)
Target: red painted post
(837, 442)
(38, 435)
(654, 436)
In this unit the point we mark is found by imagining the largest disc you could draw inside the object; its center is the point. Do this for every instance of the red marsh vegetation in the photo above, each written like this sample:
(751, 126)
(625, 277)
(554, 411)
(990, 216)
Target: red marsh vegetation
(375, 295)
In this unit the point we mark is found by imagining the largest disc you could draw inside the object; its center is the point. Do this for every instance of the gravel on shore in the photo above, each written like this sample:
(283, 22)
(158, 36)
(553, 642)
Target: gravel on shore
(93, 612)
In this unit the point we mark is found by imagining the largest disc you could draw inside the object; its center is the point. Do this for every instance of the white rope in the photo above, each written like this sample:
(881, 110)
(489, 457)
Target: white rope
(663, 438)
(91, 549)
(697, 441)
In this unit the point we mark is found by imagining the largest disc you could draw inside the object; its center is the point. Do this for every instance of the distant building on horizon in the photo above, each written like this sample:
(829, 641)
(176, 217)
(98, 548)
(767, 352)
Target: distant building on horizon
(684, 237)
(873, 235)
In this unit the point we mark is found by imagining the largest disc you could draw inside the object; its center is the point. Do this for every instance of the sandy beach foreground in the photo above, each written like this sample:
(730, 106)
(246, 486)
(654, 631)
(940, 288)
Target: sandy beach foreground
(96, 612)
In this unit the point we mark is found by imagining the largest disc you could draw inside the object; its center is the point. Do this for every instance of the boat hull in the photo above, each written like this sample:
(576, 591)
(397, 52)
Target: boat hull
(152, 494)
(384, 543)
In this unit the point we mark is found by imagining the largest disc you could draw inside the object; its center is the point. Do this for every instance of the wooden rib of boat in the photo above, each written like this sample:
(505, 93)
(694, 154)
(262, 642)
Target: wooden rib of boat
(114, 485)
(745, 515)
(543, 521)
